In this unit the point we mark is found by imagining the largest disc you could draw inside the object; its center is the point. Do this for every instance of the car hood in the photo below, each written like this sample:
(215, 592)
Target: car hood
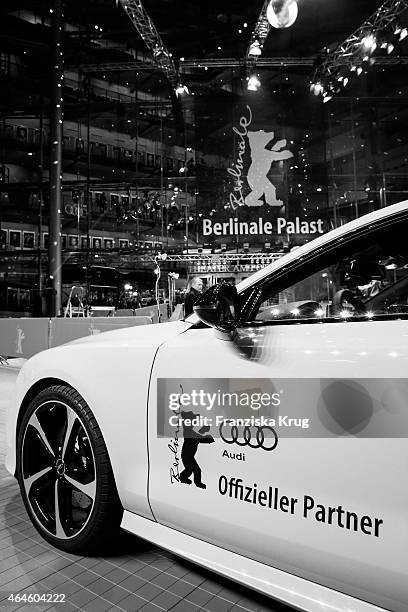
(143, 335)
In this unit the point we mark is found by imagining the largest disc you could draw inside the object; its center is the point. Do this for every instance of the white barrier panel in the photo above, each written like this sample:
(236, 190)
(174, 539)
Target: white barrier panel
(23, 337)
(64, 330)
(178, 313)
(151, 311)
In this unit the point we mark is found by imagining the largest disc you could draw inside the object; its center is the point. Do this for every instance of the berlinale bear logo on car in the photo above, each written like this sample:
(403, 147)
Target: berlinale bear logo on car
(191, 440)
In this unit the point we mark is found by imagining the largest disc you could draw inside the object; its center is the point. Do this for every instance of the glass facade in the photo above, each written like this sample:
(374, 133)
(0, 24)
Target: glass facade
(218, 170)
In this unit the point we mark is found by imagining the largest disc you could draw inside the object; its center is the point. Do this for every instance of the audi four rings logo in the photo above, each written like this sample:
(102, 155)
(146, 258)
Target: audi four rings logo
(258, 440)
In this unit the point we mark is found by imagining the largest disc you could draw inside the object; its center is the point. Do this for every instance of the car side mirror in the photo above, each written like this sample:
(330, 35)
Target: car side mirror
(219, 307)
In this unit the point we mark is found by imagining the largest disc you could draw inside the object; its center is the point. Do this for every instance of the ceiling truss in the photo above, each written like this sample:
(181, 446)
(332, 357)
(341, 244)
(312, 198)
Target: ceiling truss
(260, 31)
(117, 67)
(348, 54)
(147, 30)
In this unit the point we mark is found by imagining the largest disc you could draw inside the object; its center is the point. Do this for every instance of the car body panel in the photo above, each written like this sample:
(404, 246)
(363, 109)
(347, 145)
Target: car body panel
(362, 565)
(302, 594)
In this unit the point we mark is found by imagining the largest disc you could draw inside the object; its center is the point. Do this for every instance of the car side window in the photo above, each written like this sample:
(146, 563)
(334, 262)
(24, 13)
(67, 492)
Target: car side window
(366, 278)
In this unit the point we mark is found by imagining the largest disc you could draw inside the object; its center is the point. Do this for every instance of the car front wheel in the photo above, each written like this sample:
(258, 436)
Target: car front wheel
(64, 473)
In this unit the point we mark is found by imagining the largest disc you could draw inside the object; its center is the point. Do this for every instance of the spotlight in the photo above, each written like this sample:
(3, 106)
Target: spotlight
(253, 83)
(326, 98)
(316, 88)
(390, 48)
(282, 13)
(403, 34)
(255, 48)
(359, 70)
(369, 42)
(181, 89)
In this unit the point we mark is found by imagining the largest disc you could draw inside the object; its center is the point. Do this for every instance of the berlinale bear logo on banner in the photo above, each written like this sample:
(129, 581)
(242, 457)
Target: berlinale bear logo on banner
(261, 162)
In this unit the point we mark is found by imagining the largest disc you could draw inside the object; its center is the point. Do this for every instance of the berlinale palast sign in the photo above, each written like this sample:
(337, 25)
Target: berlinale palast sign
(254, 179)
(234, 227)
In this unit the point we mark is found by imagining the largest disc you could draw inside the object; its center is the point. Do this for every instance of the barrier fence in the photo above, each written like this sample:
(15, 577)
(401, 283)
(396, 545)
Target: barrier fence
(24, 337)
(151, 311)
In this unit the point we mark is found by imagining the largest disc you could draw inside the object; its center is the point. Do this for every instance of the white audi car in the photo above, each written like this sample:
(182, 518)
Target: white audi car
(265, 437)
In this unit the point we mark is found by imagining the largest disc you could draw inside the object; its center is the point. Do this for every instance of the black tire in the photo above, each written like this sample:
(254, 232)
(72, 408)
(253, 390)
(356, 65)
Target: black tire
(66, 481)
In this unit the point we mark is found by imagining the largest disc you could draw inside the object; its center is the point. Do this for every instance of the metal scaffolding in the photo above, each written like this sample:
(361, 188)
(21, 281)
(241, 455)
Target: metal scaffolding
(220, 264)
(263, 259)
(260, 31)
(147, 30)
(234, 62)
(118, 66)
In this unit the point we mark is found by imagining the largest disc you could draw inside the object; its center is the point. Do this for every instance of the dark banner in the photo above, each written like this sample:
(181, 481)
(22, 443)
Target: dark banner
(266, 194)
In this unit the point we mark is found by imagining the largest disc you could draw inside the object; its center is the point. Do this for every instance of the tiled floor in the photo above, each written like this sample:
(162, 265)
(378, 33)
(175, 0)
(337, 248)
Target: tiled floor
(139, 576)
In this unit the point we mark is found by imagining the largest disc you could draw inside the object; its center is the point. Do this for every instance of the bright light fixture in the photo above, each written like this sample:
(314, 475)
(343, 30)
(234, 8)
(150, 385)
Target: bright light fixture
(253, 83)
(255, 48)
(317, 88)
(369, 42)
(282, 13)
(181, 89)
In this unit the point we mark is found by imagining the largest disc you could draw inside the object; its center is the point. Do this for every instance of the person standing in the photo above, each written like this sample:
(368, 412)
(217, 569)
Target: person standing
(196, 288)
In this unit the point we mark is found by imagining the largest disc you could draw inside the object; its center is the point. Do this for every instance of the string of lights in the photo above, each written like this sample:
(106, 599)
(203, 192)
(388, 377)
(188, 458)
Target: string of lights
(354, 56)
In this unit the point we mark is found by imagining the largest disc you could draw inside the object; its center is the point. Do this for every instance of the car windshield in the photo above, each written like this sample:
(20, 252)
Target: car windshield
(367, 275)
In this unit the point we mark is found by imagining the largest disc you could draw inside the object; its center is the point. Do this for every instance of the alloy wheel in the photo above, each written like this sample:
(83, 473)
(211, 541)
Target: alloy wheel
(58, 469)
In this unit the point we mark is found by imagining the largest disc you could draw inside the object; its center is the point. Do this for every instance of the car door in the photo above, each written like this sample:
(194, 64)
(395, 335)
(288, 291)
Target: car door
(311, 480)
